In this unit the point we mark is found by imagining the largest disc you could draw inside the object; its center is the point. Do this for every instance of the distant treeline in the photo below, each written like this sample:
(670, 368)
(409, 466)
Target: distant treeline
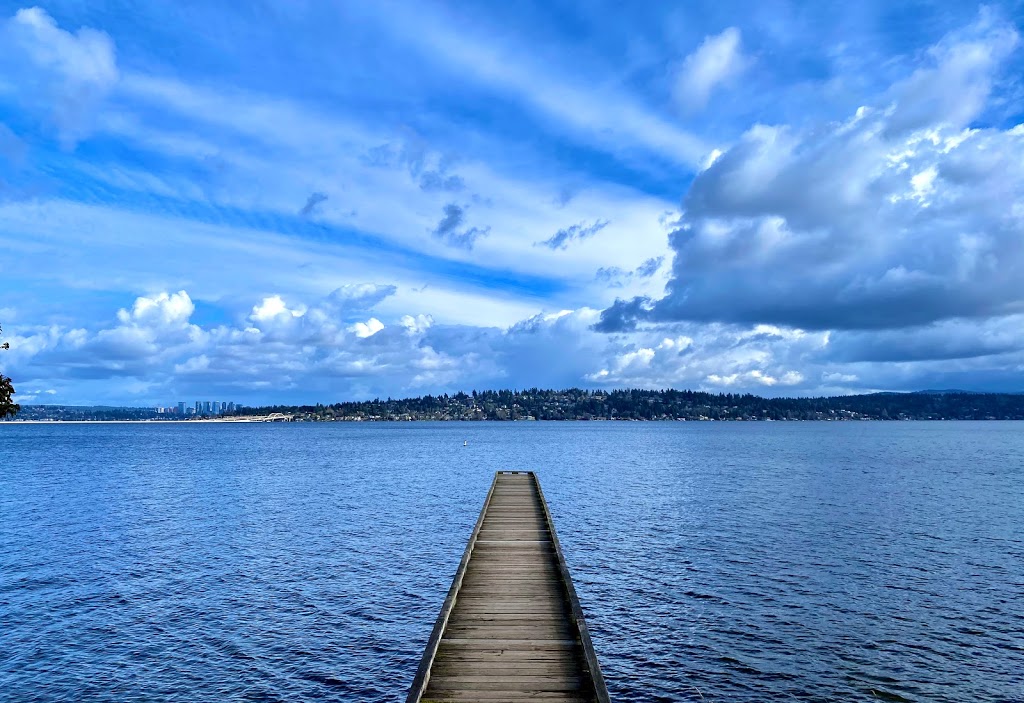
(579, 404)
(90, 413)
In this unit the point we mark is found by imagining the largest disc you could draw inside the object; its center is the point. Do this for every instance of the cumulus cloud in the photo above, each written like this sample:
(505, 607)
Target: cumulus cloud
(709, 358)
(272, 308)
(717, 61)
(575, 233)
(161, 310)
(332, 348)
(755, 378)
(860, 224)
(368, 328)
(450, 229)
(60, 75)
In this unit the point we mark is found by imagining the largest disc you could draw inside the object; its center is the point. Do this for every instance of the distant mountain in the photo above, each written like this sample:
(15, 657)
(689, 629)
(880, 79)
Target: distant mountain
(958, 391)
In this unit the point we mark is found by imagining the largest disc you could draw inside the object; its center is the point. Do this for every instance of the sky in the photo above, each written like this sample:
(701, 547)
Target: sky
(289, 201)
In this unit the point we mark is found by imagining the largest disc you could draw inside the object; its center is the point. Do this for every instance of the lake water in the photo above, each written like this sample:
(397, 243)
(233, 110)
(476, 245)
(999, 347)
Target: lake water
(714, 561)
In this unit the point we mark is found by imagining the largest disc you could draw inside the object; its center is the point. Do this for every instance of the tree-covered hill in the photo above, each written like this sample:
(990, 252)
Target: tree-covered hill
(578, 404)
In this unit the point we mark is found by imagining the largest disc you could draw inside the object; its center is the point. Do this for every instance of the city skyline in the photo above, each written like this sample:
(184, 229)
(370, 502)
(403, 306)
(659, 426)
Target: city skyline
(201, 407)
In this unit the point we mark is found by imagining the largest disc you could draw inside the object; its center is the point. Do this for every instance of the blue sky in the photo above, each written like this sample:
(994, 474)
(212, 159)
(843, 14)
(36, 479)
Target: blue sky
(317, 201)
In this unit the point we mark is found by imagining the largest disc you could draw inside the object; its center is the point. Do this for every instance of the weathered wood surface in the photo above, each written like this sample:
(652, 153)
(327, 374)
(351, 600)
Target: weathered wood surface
(511, 628)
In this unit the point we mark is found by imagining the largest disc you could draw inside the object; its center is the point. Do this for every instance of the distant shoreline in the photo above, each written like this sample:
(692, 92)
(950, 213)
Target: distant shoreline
(668, 405)
(132, 422)
(252, 421)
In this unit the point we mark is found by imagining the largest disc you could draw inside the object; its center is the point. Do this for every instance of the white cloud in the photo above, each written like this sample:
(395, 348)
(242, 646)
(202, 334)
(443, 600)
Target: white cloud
(368, 328)
(607, 118)
(161, 310)
(716, 62)
(272, 307)
(215, 262)
(193, 365)
(310, 148)
(153, 354)
(62, 75)
(857, 224)
(415, 326)
(954, 90)
(307, 150)
(755, 377)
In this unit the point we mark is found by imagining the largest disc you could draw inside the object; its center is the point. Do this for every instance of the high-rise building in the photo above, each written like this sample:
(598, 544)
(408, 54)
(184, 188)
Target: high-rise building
(207, 407)
(181, 408)
(216, 407)
(199, 407)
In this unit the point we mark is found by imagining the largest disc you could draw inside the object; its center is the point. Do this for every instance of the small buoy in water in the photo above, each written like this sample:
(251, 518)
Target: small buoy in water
(465, 443)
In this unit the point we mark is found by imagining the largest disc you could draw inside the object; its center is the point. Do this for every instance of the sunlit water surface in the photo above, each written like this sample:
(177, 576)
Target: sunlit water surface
(714, 561)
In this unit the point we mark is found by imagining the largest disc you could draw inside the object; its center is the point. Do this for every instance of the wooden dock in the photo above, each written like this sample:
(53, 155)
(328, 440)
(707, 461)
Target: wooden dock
(511, 628)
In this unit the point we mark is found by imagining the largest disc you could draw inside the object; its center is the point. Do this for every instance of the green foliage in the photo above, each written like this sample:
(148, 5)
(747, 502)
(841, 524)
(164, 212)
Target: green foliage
(7, 404)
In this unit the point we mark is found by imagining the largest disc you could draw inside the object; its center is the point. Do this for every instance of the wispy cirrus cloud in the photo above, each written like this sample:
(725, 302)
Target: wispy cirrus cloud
(718, 61)
(609, 119)
(65, 76)
(574, 233)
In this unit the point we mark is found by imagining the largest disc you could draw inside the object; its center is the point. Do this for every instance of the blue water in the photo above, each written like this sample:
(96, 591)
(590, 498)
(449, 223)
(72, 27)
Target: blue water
(714, 561)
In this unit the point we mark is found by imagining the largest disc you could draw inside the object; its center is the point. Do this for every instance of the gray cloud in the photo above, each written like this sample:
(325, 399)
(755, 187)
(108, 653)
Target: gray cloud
(649, 267)
(430, 170)
(449, 229)
(946, 340)
(860, 224)
(623, 315)
(612, 275)
(576, 233)
(616, 276)
(431, 181)
(452, 220)
(312, 203)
